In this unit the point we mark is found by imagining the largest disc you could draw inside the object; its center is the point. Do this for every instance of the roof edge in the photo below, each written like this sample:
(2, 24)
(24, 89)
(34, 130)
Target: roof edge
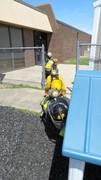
(30, 6)
(72, 27)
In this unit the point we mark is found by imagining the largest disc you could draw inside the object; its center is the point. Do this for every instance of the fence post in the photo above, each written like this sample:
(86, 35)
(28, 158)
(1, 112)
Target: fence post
(13, 65)
(77, 55)
(43, 68)
(0, 78)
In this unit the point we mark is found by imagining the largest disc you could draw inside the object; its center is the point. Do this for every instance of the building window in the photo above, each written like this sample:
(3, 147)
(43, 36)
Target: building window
(11, 59)
(10, 37)
(4, 37)
(16, 37)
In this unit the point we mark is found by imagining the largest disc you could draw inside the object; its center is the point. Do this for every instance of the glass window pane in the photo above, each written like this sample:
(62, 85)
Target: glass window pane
(16, 37)
(4, 37)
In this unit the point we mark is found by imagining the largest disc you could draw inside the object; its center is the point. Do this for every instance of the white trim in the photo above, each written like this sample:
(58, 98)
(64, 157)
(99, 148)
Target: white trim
(97, 3)
(76, 169)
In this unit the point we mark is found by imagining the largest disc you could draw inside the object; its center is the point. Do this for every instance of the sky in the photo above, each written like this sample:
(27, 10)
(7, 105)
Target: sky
(76, 13)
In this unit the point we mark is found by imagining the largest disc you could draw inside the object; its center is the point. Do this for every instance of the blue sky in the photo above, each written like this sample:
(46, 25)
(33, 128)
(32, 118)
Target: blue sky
(77, 13)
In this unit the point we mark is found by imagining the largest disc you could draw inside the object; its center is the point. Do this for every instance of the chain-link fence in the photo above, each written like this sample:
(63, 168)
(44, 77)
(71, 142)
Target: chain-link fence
(88, 56)
(21, 57)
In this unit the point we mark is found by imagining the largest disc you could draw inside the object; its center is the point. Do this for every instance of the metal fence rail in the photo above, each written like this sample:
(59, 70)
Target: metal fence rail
(88, 56)
(17, 57)
(21, 57)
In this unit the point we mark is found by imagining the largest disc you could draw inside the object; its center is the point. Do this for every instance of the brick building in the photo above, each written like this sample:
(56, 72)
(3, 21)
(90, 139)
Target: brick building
(64, 37)
(27, 26)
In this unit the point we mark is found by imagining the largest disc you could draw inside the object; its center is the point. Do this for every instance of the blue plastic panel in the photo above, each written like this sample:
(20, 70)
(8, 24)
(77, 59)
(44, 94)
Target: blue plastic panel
(82, 139)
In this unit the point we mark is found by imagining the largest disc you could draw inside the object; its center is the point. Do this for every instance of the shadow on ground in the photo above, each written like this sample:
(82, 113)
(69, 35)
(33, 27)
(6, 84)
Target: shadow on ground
(60, 164)
(1, 77)
(59, 167)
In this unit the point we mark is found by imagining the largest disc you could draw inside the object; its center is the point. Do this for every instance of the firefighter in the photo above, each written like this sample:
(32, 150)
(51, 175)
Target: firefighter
(51, 63)
(53, 82)
(49, 57)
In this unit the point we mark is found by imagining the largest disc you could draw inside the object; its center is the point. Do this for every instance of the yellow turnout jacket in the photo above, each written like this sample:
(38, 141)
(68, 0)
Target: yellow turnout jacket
(50, 83)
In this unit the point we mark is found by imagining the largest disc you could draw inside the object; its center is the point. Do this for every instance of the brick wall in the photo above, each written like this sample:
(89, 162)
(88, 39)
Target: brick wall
(68, 38)
(62, 42)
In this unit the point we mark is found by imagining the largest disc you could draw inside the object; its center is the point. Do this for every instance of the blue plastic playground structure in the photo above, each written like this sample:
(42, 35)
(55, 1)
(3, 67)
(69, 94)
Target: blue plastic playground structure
(82, 139)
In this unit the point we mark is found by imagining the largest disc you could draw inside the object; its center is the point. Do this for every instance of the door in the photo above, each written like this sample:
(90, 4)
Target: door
(39, 39)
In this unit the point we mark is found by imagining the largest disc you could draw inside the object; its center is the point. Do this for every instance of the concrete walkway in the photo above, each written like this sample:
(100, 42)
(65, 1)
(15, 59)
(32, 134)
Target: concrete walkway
(27, 98)
(23, 98)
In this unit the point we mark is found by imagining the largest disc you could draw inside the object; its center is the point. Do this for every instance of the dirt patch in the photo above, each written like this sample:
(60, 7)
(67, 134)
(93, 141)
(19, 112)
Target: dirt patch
(4, 86)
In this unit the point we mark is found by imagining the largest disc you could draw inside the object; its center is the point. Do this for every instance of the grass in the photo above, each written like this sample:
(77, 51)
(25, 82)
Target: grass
(28, 111)
(82, 61)
(20, 86)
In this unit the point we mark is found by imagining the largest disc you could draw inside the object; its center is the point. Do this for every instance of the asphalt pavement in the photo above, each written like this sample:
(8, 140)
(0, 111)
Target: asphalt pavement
(28, 98)
(26, 152)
